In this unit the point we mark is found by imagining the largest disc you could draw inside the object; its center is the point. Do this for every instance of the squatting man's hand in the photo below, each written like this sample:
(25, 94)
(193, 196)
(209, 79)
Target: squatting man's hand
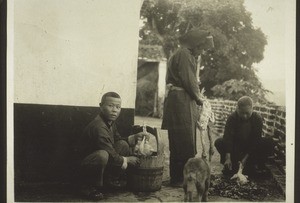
(132, 160)
(140, 136)
(244, 160)
(227, 163)
(133, 139)
(240, 178)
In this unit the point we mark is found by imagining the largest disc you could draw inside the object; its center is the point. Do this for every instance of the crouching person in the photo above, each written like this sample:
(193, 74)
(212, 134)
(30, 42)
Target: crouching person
(243, 142)
(105, 155)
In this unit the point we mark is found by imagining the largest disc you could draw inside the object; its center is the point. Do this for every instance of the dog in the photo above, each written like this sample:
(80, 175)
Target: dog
(196, 180)
(196, 172)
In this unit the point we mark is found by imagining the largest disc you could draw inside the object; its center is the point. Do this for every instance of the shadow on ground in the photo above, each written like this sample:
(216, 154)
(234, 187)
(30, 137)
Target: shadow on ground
(221, 189)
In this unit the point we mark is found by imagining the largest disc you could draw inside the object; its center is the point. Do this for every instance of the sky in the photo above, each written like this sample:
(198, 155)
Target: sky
(272, 18)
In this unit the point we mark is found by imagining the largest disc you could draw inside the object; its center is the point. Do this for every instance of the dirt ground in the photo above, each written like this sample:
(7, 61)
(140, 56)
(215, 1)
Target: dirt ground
(264, 191)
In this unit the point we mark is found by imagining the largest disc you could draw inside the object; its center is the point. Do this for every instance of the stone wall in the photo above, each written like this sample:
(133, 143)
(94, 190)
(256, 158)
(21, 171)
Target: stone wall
(273, 125)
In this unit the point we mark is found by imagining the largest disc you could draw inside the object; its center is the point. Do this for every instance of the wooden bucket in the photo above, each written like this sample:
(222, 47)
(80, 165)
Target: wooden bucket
(148, 176)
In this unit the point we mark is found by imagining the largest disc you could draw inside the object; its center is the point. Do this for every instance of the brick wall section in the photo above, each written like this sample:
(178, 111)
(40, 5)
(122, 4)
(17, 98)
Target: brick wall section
(273, 125)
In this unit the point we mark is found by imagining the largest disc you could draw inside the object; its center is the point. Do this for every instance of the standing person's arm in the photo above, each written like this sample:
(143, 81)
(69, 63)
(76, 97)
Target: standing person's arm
(187, 74)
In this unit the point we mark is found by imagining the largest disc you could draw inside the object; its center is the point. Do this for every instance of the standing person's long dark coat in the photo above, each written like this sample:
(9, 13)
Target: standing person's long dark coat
(180, 107)
(180, 110)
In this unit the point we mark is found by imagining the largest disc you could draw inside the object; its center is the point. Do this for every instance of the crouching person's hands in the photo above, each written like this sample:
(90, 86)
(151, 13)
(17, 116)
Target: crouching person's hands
(133, 161)
(140, 136)
(228, 164)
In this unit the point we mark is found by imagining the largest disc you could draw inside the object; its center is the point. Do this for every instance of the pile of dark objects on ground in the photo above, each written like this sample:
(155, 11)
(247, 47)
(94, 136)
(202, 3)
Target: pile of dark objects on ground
(252, 190)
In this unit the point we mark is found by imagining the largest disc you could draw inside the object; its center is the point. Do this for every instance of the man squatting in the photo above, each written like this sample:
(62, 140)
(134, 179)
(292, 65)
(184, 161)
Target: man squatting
(243, 142)
(105, 155)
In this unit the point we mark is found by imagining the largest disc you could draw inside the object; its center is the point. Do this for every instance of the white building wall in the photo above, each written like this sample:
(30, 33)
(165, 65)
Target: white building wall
(162, 71)
(70, 52)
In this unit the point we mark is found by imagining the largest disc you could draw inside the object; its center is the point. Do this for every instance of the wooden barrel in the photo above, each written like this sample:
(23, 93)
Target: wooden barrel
(148, 176)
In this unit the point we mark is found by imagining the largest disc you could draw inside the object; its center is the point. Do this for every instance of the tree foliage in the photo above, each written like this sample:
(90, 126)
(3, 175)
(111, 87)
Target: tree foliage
(238, 44)
(234, 89)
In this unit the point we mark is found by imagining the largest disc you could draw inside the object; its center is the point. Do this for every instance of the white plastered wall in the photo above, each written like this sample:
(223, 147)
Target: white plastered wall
(70, 52)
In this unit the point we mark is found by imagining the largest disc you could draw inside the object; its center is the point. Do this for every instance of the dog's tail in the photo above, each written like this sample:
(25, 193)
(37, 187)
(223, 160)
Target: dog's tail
(191, 176)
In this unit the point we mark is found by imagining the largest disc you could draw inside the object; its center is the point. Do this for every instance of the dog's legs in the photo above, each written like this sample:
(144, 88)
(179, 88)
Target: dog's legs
(188, 196)
(205, 194)
(185, 197)
(185, 191)
(200, 191)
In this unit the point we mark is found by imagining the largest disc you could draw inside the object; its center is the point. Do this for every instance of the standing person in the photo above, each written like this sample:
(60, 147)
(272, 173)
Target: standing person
(182, 97)
(103, 150)
(243, 142)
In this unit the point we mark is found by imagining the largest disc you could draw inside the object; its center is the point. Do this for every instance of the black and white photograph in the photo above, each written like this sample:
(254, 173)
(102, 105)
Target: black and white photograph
(151, 100)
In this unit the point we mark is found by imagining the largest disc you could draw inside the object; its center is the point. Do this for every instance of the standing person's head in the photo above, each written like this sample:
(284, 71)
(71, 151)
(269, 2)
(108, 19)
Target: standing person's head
(245, 107)
(197, 40)
(110, 106)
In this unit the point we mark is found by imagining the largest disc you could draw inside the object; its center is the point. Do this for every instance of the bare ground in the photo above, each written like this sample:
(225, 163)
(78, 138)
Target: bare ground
(265, 189)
